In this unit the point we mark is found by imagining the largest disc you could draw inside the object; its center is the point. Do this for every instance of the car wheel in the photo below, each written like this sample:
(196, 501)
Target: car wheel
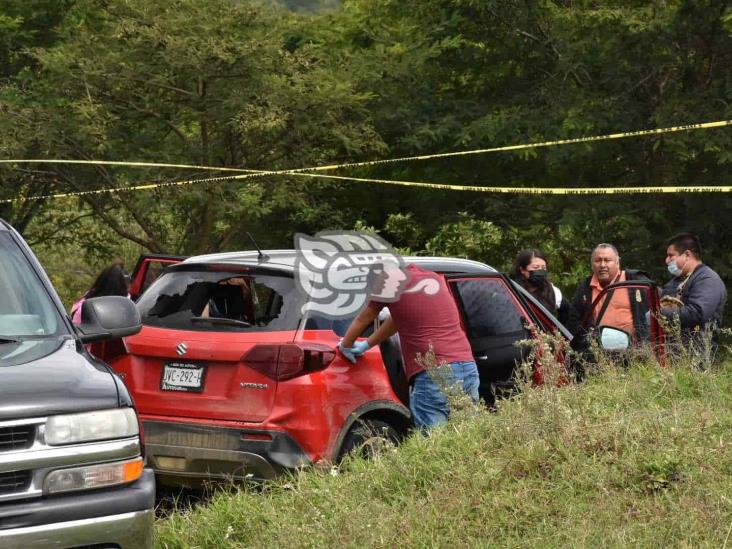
(368, 437)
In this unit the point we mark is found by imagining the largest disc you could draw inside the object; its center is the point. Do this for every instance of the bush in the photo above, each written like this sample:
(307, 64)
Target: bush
(634, 456)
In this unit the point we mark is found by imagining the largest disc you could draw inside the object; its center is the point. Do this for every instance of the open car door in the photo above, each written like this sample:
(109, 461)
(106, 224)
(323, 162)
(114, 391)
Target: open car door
(495, 319)
(148, 268)
(625, 315)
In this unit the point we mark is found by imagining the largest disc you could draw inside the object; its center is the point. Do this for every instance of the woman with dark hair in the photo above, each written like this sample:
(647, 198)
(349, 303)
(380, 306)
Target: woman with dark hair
(111, 281)
(529, 271)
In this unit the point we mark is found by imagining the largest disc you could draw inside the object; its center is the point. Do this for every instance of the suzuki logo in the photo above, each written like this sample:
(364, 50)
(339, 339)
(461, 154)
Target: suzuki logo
(181, 349)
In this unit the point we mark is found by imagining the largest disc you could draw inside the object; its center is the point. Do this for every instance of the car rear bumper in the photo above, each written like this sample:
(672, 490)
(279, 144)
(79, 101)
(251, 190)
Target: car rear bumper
(179, 451)
(120, 517)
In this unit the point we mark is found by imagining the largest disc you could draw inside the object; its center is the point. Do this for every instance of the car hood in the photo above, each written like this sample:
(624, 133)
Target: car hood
(62, 381)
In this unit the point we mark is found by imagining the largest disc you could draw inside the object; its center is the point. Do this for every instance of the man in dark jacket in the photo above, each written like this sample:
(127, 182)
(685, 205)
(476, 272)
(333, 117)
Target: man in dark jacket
(625, 310)
(696, 295)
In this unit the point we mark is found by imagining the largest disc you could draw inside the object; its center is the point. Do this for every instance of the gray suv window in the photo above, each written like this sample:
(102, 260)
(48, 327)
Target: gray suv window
(26, 309)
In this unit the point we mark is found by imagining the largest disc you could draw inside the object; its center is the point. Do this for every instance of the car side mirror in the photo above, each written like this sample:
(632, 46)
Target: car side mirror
(108, 317)
(613, 339)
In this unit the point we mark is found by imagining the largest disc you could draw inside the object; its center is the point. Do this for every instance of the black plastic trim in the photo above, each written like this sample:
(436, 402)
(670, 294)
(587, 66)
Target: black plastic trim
(283, 452)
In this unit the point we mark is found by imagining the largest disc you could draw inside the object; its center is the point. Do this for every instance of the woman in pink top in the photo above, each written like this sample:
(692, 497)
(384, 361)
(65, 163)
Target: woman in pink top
(111, 281)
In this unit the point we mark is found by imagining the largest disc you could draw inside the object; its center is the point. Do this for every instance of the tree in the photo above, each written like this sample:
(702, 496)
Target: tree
(462, 74)
(182, 82)
(243, 85)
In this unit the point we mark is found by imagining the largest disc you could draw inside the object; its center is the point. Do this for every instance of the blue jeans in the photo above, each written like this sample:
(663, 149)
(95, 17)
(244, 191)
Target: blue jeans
(428, 403)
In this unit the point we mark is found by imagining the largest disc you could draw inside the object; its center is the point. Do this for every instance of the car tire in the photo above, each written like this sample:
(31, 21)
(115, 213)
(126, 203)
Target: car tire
(368, 437)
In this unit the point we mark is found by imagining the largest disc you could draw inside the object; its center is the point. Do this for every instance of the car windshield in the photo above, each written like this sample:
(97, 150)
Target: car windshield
(26, 309)
(209, 300)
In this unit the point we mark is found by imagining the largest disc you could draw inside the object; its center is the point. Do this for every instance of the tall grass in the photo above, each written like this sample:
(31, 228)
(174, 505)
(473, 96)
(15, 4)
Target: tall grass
(634, 456)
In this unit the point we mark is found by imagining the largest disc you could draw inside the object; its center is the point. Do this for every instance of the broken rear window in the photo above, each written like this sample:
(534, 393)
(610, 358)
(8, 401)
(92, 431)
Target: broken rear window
(221, 301)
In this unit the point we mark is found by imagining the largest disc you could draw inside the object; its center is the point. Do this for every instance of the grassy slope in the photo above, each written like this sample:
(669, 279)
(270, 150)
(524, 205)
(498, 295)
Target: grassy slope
(641, 457)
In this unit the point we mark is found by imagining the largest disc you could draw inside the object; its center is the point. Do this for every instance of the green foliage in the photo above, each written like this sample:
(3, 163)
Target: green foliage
(182, 82)
(310, 6)
(638, 456)
(405, 230)
(74, 248)
(483, 74)
(250, 85)
(467, 237)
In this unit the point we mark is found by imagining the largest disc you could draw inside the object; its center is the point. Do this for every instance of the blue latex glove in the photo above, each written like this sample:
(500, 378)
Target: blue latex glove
(360, 347)
(347, 352)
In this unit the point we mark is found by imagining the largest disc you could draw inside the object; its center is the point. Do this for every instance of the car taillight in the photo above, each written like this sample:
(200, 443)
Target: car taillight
(288, 360)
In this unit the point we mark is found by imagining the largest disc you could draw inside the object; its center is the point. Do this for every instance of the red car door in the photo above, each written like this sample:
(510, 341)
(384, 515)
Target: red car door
(495, 319)
(625, 315)
(147, 269)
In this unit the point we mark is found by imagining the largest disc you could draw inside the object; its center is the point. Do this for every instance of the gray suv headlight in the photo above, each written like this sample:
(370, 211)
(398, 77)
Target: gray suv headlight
(91, 426)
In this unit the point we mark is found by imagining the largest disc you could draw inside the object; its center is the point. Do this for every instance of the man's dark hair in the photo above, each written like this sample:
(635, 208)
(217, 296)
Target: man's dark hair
(686, 241)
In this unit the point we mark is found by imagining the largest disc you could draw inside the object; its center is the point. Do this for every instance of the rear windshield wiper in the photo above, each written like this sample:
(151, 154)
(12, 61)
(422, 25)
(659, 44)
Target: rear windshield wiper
(220, 320)
(8, 340)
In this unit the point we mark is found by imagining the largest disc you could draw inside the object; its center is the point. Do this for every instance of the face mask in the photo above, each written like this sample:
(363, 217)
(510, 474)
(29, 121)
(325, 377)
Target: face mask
(673, 268)
(537, 277)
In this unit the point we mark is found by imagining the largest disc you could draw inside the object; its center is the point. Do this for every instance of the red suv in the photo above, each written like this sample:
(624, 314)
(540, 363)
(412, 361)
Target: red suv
(231, 380)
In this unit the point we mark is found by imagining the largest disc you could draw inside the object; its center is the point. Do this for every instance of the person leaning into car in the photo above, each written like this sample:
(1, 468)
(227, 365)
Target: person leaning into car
(424, 321)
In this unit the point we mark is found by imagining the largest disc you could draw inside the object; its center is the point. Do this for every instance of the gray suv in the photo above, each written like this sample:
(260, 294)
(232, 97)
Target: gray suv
(72, 469)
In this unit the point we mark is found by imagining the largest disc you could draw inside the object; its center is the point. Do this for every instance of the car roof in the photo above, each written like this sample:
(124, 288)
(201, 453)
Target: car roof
(285, 260)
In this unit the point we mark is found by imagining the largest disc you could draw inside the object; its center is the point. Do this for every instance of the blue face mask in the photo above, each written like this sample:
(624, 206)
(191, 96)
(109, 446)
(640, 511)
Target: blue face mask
(673, 269)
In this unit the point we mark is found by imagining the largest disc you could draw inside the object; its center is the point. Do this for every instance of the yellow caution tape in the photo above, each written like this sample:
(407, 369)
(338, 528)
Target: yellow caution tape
(303, 171)
(416, 184)
(125, 163)
(623, 135)
(142, 187)
(330, 167)
(539, 190)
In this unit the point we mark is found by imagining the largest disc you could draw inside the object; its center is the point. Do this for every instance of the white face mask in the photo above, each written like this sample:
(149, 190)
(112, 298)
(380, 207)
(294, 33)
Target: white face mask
(674, 269)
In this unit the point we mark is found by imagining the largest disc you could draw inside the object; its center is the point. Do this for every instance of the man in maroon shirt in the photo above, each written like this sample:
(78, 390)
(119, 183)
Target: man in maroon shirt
(426, 316)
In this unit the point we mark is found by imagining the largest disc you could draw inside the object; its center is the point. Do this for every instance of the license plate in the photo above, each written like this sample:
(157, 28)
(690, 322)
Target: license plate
(179, 376)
